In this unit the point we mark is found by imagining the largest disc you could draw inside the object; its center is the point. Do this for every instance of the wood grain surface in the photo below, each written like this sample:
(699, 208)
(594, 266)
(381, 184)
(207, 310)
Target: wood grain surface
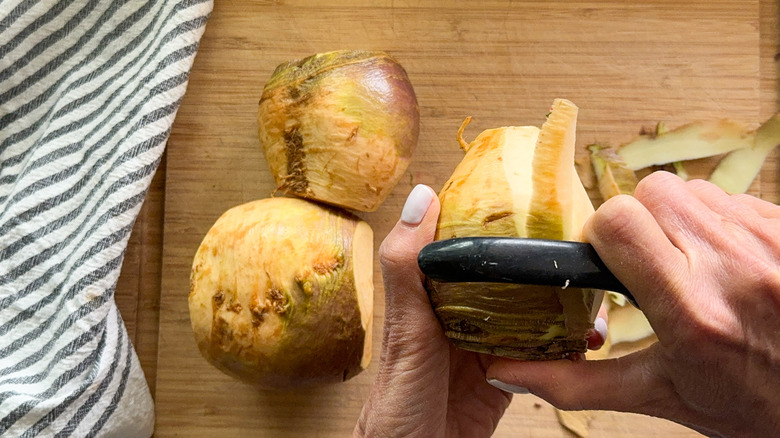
(626, 65)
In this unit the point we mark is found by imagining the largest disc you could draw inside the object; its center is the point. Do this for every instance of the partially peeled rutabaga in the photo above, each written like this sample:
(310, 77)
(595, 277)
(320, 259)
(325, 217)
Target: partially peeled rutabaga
(517, 182)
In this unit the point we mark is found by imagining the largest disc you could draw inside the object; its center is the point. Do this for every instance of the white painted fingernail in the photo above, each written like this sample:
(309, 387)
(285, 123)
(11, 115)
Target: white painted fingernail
(601, 326)
(514, 389)
(417, 204)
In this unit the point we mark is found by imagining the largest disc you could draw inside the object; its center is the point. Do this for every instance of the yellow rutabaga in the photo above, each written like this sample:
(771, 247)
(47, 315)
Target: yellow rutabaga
(516, 182)
(339, 127)
(282, 293)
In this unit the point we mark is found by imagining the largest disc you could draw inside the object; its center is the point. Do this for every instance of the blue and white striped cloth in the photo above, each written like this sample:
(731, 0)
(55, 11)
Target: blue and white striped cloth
(88, 93)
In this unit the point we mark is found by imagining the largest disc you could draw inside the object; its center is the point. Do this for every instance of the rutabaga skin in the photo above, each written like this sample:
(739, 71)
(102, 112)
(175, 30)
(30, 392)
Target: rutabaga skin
(613, 176)
(516, 182)
(281, 294)
(339, 127)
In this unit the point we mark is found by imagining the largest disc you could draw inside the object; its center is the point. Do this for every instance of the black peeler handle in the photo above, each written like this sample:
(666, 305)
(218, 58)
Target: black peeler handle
(518, 260)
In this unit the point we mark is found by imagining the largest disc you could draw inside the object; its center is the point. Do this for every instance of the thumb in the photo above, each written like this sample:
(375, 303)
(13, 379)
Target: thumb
(403, 280)
(414, 366)
(633, 383)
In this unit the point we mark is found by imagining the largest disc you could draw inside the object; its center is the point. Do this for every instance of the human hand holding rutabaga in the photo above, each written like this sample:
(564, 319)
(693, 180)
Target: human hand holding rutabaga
(425, 387)
(412, 395)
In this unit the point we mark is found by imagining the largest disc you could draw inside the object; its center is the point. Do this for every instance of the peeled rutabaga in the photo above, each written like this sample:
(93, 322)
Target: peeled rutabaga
(517, 182)
(281, 294)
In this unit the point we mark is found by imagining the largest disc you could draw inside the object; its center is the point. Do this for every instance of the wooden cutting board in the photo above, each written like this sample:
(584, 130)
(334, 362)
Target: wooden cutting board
(626, 64)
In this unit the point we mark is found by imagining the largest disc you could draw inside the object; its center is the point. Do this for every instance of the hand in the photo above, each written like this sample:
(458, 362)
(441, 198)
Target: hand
(426, 387)
(705, 268)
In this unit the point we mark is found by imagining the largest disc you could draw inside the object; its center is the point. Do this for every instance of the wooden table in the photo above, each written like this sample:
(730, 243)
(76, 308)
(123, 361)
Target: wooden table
(624, 63)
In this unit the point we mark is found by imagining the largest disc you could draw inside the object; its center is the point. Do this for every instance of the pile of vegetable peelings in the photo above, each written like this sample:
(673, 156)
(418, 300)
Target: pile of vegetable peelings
(281, 288)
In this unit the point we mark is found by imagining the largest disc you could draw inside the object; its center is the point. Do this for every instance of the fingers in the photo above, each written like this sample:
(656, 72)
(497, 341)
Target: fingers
(407, 303)
(414, 367)
(683, 217)
(598, 334)
(748, 224)
(399, 250)
(717, 231)
(744, 210)
(765, 209)
(580, 384)
(743, 207)
(632, 383)
(637, 250)
(697, 213)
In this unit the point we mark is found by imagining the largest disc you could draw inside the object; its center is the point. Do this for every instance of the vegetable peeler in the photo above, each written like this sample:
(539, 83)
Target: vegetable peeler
(518, 260)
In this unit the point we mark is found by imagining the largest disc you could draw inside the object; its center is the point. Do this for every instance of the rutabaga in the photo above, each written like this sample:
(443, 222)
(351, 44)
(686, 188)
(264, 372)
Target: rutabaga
(339, 127)
(516, 182)
(281, 294)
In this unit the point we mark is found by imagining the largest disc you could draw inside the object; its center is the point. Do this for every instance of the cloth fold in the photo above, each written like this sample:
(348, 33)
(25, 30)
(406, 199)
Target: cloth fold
(88, 94)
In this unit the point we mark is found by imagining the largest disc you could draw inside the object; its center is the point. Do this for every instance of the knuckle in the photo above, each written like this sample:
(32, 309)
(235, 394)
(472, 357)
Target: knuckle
(654, 185)
(768, 282)
(705, 189)
(700, 184)
(620, 205)
(742, 197)
(612, 216)
(393, 253)
(387, 253)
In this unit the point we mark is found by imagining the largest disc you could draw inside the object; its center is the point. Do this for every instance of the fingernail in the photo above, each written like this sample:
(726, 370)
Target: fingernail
(601, 326)
(417, 204)
(514, 389)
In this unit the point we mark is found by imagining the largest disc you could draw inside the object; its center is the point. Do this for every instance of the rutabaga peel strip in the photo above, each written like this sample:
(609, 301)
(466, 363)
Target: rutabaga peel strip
(613, 175)
(577, 422)
(628, 324)
(551, 213)
(679, 169)
(688, 142)
(738, 169)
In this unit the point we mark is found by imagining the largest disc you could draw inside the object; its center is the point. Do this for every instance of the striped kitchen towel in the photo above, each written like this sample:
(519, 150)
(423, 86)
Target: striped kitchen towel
(88, 93)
